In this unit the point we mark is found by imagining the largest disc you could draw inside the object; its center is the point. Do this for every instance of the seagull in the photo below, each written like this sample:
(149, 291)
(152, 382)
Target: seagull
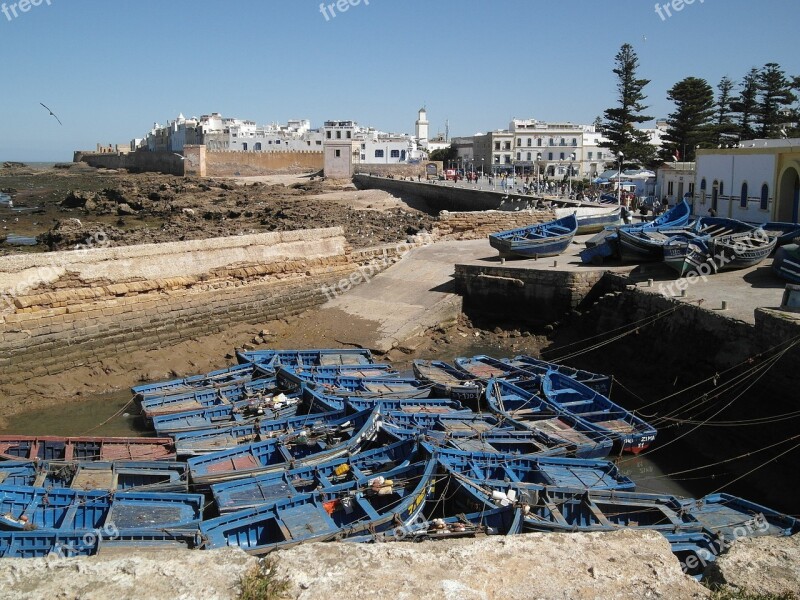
(53, 114)
(181, 156)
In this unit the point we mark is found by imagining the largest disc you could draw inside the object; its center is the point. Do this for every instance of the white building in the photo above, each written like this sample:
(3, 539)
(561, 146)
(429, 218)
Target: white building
(421, 128)
(675, 180)
(759, 181)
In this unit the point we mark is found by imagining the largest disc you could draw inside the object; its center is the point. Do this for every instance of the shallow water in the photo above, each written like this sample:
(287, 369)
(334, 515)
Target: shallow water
(80, 418)
(20, 240)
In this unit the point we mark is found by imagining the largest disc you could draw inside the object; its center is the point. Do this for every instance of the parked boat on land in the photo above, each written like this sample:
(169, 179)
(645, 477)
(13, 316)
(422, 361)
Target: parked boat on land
(591, 219)
(787, 262)
(544, 239)
(606, 243)
(16, 447)
(709, 245)
(785, 233)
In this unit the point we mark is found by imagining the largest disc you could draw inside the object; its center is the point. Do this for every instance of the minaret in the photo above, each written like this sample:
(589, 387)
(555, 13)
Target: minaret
(422, 128)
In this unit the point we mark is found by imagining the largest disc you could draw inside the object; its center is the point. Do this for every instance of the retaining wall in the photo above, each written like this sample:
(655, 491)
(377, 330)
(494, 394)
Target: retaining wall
(228, 164)
(90, 305)
(479, 224)
(136, 162)
(530, 296)
(398, 170)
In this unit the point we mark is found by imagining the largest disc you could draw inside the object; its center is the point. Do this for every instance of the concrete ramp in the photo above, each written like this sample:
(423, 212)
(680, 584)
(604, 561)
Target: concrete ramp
(408, 298)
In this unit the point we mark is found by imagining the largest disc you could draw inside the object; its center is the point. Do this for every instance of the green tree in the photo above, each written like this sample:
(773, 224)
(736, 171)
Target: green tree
(619, 126)
(691, 122)
(724, 125)
(444, 154)
(774, 98)
(745, 106)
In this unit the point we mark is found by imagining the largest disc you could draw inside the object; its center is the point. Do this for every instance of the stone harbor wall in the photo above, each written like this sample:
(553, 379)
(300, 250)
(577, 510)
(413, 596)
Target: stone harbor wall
(66, 309)
(479, 224)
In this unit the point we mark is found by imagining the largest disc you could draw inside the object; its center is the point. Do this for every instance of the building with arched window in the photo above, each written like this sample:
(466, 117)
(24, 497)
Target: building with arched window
(758, 181)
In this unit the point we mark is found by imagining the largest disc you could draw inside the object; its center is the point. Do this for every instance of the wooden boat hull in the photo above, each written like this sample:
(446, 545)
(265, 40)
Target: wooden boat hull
(598, 382)
(787, 262)
(546, 239)
(13, 447)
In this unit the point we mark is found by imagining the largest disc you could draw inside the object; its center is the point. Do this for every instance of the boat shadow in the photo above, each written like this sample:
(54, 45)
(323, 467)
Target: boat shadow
(764, 277)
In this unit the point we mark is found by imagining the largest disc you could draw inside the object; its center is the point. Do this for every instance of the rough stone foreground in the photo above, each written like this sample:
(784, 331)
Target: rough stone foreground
(620, 565)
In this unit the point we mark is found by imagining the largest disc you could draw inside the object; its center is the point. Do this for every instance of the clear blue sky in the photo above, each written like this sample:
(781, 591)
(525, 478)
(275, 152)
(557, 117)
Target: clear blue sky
(109, 68)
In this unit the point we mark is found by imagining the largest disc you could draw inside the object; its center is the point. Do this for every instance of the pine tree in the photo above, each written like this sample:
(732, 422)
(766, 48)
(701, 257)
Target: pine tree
(724, 125)
(774, 98)
(691, 123)
(746, 105)
(619, 127)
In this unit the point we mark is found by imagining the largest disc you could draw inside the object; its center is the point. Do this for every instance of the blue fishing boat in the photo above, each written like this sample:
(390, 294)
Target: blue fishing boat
(364, 506)
(69, 544)
(503, 520)
(227, 415)
(261, 390)
(464, 424)
(629, 432)
(711, 244)
(291, 377)
(222, 377)
(370, 387)
(15, 447)
(544, 239)
(784, 233)
(606, 243)
(596, 381)
(24, 507)
(555, 428)
(151, 476)
(647, 245)
(251, 492)
(448, 381)
(195, 443)
(787, 262)
(484, 368)
(533, 472)
(317, 399)
(731, 517)
(307, 358)
(285, 452)
(591, 219)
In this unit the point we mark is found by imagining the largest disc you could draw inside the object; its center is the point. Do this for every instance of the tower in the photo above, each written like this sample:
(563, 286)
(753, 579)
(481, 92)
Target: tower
(422, 127)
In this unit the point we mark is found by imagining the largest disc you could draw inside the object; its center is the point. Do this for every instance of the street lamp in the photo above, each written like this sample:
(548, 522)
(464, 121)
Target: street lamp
(620, 157)
(481, 168)
(571, 160)
(538, 185)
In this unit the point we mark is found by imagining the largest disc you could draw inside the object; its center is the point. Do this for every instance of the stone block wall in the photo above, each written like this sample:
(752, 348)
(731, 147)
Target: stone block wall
(479, 224)
(112, 301)
(229, 164)
(530, 296)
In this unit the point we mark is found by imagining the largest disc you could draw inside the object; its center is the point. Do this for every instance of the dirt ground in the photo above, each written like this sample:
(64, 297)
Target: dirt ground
(68, 206)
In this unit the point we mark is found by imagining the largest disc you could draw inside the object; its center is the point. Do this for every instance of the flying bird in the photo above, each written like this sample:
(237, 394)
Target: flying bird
(53, 114)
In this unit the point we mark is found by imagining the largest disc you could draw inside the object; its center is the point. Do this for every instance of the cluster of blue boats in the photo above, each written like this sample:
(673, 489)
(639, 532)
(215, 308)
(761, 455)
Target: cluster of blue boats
(290, 446)
(703, 246)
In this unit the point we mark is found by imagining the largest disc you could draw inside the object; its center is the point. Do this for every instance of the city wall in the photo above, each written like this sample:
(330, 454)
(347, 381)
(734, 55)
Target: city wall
(399, 170)
(213, 164)
(66, 309)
